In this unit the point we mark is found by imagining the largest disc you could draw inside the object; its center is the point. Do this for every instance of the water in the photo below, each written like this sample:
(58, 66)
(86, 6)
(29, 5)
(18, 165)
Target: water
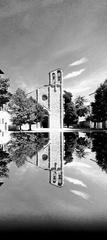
(53, 180)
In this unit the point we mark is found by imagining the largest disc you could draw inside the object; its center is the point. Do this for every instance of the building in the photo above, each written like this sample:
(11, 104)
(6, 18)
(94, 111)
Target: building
(51, 98)
(50, 158)
(4, 121)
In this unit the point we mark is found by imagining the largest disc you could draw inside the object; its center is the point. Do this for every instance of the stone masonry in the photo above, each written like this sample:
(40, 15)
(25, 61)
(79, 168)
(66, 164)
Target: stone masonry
(51, 98)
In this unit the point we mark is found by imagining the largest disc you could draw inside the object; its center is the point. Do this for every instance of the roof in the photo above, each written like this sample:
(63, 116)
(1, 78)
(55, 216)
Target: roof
(1, 72)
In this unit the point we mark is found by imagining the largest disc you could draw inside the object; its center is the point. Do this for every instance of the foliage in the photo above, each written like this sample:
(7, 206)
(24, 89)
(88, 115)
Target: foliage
(99, 106)
(70, 144)
(4, 160)
(100, 147)
(24, 110)
(70, 116)
(4, 94)
(80, 107)
(75, 143)
(82, 143)
(24, 145)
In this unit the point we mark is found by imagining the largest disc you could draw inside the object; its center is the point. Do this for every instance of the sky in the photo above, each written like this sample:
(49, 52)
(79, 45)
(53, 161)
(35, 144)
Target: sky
(38, 36)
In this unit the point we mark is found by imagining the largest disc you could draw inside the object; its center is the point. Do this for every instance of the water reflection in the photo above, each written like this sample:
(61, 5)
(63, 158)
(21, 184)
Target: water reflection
(78, 143)
(99, 145)
(52, 151)
(4, 160)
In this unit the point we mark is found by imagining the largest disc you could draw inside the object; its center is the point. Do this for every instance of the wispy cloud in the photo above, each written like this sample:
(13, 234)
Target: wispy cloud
(78, 62)
(81, 194)
(74, 74)
(75, 181)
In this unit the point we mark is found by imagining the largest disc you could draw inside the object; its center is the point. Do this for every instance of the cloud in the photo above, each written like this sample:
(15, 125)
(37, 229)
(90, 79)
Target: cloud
(81, 194)
(74, 74)
(75, 181)
(78, 62)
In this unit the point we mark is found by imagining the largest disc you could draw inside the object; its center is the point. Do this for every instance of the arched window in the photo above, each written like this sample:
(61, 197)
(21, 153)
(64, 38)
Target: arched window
(44, 97)
(44, 157)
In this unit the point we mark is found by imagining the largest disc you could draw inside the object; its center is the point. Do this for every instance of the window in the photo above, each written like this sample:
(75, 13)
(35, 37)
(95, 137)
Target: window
(2, 120)
(5, 126)
(53, 78)
(44, 157)
(44, 97)
(59, 75)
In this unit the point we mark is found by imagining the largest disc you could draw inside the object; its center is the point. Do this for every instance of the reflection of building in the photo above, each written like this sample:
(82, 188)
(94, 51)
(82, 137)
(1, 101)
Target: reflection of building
(51, 98)
(4, 121)
(4, 138)
(51, 158)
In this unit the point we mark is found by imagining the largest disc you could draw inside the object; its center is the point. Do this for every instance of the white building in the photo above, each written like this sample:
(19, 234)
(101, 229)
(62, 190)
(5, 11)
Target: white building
(4, 121)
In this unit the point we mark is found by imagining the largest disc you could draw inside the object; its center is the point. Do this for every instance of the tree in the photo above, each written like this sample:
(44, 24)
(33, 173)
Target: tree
(70, 144)
(80, 107)
(4, 94)
(99, 106)
(24, 145)
(32, 111)
(99, 141)
(24, 109)
(18, 107)
(82, 143)
(4, 160)
(70, 116)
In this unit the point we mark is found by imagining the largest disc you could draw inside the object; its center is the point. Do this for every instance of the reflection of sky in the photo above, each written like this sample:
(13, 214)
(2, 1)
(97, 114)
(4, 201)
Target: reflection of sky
(94, 183)
(83, 196)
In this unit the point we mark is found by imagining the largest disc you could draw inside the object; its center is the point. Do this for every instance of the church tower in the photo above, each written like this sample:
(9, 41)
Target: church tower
(51, 98)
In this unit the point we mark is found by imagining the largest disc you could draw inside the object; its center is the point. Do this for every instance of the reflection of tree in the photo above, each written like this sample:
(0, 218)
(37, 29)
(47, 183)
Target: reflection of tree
(23, 145)
(4, 160)
(82, 143)
(100, 147)
(70, 144)
(74, 142)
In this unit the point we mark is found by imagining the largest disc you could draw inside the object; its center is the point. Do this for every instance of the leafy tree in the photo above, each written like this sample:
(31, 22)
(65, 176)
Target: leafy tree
(70, 116)
(70, 144)
(4, 94)
(23, 145)
(4, 160)
(42, 116)
(32, 111)
(81, 109)
(99, 141)
(99, 106)
(23, 109)
(18, 107)
(82, 143)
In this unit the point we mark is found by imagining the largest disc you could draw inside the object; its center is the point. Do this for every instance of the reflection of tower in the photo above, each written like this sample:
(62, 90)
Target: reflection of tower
(51, 98)
(51, 158)
(56, 172)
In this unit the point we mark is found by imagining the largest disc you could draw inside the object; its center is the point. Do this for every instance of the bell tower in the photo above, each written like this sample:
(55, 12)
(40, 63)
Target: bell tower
(51, 97)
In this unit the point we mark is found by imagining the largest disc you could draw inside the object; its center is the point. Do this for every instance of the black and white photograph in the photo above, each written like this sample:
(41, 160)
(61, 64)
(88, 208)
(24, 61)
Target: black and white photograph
(53, 116)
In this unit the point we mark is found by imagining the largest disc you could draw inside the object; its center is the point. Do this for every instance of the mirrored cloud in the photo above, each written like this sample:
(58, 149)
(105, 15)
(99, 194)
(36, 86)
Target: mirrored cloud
(81, 194)
(75, 181)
